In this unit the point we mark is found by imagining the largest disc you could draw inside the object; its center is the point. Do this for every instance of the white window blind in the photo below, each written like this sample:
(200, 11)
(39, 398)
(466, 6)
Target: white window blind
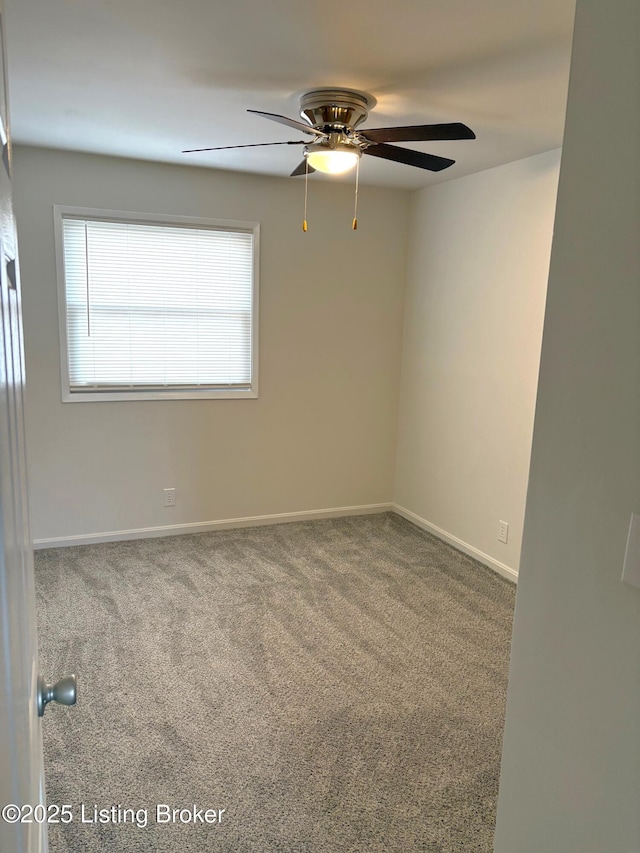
(153, 306)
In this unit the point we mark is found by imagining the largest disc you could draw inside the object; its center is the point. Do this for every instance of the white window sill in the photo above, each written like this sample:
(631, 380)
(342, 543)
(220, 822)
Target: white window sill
(118, 396)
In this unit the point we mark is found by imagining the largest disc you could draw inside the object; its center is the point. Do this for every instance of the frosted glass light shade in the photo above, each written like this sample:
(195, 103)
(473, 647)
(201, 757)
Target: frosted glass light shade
(332, 161)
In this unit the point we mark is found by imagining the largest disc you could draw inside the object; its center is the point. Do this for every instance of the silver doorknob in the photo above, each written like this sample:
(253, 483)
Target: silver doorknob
(63, 691)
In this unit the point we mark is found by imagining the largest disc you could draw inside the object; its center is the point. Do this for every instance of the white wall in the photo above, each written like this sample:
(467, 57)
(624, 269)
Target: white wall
(321, 435)
(570, 778)
(477, 273)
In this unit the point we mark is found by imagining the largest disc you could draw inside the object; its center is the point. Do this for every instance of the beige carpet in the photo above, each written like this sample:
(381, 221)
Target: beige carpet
(333, 686)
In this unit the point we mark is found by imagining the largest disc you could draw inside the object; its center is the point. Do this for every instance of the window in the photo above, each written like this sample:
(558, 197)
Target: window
(155, 307)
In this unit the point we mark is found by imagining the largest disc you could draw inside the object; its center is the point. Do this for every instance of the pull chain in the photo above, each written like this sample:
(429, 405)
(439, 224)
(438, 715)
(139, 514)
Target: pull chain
(306, 186)
(354, 224)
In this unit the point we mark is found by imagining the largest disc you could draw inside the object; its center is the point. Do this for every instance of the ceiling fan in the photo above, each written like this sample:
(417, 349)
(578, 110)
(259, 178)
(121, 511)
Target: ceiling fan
(331, 117)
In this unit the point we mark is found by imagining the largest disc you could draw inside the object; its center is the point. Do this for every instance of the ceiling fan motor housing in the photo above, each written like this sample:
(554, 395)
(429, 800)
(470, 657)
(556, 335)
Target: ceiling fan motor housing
(335, 109)
(335, 141)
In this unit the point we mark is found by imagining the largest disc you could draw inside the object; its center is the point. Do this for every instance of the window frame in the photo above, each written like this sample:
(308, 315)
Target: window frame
(156, 393)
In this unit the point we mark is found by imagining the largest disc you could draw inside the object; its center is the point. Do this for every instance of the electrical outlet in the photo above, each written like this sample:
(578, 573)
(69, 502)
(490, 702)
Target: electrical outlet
(631, 566)
(503, 531)
(169, 497)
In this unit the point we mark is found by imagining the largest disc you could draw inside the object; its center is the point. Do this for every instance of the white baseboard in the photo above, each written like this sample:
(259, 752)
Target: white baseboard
(207, 526)
(278, 518)
(496, 565)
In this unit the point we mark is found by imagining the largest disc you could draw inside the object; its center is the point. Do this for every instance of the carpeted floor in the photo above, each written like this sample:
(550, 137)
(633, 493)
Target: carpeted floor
(332, 685)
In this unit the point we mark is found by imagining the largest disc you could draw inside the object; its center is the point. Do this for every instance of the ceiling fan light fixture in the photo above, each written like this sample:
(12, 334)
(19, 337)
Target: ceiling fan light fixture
(331, 116)
(332, 161)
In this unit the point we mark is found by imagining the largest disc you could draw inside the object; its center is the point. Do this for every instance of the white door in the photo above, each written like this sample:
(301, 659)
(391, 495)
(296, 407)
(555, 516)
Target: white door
(21, 770)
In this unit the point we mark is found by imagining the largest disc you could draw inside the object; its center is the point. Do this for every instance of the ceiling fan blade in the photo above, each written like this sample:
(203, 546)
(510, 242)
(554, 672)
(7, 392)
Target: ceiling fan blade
(301, 168)
(290, 122)
(411, 158)
(419, 133)
(249, 145)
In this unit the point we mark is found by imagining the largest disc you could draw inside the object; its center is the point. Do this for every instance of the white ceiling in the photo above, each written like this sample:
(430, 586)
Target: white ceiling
(147, 78)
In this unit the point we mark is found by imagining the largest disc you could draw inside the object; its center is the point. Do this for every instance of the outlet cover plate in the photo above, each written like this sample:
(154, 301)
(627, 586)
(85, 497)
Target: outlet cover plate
(631, 565)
